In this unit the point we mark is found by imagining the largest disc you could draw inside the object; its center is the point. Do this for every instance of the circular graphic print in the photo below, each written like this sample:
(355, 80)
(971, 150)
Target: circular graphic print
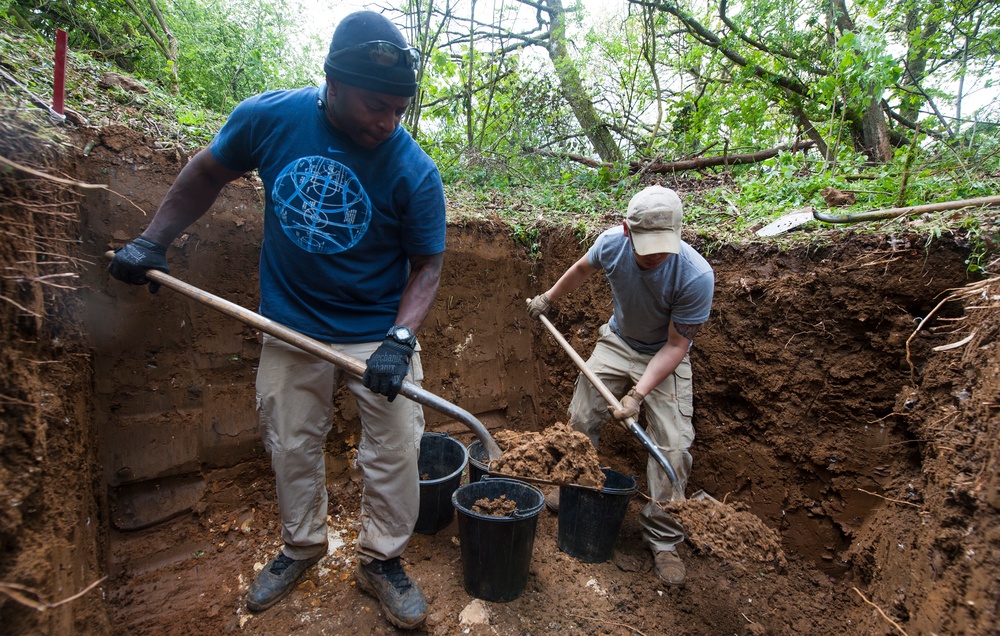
(321, 205)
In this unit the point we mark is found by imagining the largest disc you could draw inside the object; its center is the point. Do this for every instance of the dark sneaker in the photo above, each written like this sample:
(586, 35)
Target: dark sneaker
(276, 580)
(400, 598)
(552, 500)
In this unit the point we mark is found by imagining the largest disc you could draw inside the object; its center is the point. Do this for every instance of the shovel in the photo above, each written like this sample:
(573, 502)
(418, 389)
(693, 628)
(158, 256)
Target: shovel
(795, 219)
(341, 360)
(629, 423)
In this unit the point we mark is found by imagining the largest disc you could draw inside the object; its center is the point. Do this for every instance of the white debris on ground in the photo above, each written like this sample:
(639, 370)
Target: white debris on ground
(475, 613)
(594, 585)
(336, 555)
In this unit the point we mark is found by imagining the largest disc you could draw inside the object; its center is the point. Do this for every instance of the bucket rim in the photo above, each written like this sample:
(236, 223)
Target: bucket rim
(485, 465)
(519, 515)
(456, 472)
(610, 491)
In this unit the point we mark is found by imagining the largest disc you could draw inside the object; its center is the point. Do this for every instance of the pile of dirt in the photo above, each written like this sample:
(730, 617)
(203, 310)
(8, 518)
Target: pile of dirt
(557, 454)
(731, 533)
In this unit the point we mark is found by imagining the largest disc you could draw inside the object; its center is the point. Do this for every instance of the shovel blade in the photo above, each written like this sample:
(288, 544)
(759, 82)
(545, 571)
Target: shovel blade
(786, 222)
(701, 494)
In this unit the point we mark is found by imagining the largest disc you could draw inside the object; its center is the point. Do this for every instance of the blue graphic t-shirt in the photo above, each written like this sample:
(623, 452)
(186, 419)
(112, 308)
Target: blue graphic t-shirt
(341, 221)
(645, 301)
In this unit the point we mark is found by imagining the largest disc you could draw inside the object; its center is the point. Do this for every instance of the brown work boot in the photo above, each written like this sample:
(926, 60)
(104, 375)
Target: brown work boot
(669, 567)
(552, 500)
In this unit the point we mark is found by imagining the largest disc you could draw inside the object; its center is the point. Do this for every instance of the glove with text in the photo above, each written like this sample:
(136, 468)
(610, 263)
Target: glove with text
(630, 406)
(539, 305)
(131, 262)
(387, 368)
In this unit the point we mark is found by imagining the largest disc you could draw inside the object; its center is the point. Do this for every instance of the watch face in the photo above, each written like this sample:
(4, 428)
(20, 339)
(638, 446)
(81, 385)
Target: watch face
(403, 333)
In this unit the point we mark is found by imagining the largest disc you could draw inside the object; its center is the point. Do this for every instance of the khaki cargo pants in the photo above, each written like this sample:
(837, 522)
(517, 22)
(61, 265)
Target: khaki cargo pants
(295, 406)
(667, 411)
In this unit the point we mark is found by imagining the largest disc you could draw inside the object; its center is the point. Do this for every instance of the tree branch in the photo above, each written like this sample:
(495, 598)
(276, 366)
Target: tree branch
(682, 165)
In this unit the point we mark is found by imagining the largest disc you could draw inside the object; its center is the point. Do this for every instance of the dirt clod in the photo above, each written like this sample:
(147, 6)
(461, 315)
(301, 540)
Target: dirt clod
(723, 531)
(558, 454)
(499, 507)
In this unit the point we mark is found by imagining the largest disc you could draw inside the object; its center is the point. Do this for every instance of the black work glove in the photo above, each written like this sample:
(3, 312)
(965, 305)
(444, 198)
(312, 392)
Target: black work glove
(387, 367)
(131, 262)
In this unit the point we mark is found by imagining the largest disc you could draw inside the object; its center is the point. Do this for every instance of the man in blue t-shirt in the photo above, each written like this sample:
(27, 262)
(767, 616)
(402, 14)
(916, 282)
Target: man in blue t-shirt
(662, 291)
(354, 235)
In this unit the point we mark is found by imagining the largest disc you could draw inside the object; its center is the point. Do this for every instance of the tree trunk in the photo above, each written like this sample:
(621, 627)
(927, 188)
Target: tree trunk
(873, 129)
(875, 132)
(571, 86)
(668, 167)
(916, 60)
(811, 132)
(168, 47)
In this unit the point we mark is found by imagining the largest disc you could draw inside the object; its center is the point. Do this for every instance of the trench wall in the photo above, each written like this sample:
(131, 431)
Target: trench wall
(796, 372)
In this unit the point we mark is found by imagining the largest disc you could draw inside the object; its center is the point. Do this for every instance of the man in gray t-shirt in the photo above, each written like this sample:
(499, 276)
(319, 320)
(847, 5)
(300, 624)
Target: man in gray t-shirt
(662, 290)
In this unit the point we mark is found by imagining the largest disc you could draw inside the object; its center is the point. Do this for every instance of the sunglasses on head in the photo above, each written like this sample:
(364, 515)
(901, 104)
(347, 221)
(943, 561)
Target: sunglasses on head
(384, 53)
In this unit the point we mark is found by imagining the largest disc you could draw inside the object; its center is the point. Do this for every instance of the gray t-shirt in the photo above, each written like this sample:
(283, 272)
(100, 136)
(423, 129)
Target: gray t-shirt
(645, 302)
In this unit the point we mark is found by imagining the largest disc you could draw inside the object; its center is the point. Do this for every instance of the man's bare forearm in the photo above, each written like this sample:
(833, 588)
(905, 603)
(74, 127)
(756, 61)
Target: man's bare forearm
(420, 291)
(192, 194)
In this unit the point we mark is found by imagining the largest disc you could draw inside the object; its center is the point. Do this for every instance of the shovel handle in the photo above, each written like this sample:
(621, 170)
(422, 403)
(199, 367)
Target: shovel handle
(321, 350)
(629, 423)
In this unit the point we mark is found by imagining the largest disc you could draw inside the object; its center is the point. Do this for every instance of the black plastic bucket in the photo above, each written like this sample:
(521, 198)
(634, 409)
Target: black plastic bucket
(589, 520)
(479, 462)
(442, 460)
(496, 551)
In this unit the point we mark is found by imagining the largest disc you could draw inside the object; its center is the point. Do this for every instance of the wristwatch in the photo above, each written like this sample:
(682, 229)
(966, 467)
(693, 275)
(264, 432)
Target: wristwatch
(403, 335)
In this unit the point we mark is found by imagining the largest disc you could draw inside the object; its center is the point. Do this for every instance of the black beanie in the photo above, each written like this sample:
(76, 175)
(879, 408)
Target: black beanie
(357, 69)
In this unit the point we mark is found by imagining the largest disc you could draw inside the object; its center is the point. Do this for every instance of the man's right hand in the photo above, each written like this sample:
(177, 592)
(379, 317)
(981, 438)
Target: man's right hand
(539, 305)
(131, 262)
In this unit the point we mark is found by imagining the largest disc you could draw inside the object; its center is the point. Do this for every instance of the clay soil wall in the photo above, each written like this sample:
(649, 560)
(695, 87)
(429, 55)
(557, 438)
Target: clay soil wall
(819, 406)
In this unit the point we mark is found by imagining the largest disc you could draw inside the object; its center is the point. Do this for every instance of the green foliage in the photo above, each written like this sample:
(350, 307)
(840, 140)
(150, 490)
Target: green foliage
(238, 48)
(501, 132)
(526, 112)
(227, 49)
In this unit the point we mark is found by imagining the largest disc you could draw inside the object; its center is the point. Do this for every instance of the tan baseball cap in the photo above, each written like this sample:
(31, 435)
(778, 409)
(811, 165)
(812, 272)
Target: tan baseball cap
(654, 221)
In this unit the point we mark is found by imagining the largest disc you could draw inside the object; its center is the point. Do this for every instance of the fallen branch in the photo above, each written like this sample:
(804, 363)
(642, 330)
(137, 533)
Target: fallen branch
(721, 160)
(894, 623)
(681, 165)
(891, 213)
(34, 99)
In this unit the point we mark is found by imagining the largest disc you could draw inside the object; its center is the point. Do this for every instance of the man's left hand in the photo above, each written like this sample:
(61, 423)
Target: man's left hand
(387, 368)
(630, 406)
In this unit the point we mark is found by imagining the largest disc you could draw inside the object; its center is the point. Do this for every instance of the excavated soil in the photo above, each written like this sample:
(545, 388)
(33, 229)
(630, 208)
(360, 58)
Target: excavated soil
(556, 454)
(846, 401)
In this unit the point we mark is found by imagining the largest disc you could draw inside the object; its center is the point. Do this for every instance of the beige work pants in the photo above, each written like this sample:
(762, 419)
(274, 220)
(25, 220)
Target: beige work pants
(667, 410)
(295, 406)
